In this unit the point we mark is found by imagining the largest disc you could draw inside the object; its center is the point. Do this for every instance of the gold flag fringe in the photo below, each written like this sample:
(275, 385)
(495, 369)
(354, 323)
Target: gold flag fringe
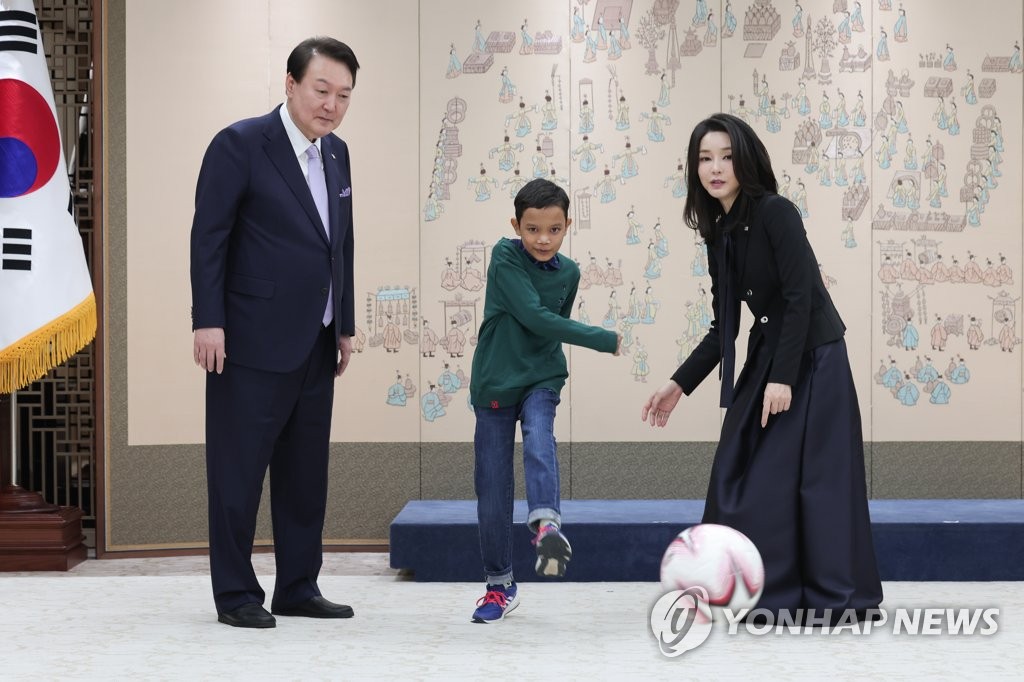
(32, 356)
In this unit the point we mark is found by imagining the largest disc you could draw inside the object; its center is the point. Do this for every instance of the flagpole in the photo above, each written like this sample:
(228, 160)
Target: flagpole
(13, 498)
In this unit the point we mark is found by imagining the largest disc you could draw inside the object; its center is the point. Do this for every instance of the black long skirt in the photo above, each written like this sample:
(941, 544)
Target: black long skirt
(796, 488)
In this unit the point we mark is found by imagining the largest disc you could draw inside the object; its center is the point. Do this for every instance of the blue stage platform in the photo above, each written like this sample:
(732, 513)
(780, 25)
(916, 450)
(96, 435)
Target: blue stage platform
(623, 540)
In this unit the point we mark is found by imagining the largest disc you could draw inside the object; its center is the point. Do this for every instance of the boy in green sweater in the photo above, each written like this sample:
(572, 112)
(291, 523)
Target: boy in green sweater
(518, 371)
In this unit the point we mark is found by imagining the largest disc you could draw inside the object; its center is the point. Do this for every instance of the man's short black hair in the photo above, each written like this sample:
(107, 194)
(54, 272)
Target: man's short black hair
(541, 193)
(304, 52)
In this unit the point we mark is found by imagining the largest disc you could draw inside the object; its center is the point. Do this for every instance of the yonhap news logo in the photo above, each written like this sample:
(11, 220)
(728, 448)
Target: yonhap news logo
(679, 624)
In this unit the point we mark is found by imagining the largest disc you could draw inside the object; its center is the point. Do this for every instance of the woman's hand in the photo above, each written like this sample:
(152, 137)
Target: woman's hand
(661, 403)
(777, 398)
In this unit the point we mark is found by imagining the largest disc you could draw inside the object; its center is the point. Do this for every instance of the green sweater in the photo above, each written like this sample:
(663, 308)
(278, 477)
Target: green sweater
(526, 321)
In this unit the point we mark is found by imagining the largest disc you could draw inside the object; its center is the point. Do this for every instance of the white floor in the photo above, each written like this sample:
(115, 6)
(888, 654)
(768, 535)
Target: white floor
(154, 619)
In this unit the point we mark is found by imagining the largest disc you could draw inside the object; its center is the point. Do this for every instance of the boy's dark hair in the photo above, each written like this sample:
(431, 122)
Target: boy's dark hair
(540, 193)
(325, 46)
(750, 164)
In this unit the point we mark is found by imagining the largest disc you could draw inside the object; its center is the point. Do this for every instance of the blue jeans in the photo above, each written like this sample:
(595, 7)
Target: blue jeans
(494, 479)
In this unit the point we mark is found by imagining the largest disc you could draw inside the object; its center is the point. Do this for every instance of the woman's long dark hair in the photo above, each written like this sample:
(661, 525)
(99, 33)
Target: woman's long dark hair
(750, 164)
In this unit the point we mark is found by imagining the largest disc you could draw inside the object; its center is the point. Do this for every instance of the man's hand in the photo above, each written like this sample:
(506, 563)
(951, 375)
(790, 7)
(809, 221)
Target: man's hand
(345, 348)
(208, 349)
(777, 398)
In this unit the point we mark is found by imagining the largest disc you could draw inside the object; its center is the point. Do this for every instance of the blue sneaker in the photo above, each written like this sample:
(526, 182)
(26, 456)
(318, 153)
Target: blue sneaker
(553, 551)
(495, 605)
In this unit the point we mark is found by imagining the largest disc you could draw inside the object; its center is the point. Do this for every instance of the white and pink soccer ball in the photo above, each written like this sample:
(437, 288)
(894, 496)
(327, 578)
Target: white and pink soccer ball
(720, 559)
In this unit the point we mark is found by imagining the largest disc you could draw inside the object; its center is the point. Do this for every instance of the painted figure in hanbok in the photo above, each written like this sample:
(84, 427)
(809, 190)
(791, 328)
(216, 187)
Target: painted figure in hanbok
(602, 42)
(939, 335)
(479, 44)
(472, 278)
(882, 51)
(857, 18)
(893, 135)
(455, 341)
(653, 268)
(953, 123)
(899, 30)
(773, 120)
(940, 393)
(956, 273)
(892, 376)
(813, 157)
(1007, 337)
(967, 90)
(585, 152)
(701, 14)
(800, 199)
(994, 159)
(940, 273)
(428, 340)
(630, 169)
(640, 367)
(941, 179)
(450, 278)
(911, 337)
(908, 393)
(606, 187)
(396, 393)
(650, 307)
(579, 26)
(392, 336)
(845, 29)
(859, 176)
(482, 185)
(664, 98)
(909, 269)
(540, 163)
(1004, 274)
(798, 21)
(660, 242)
(763, 97)
(613, 273)
(522, 119)
(454, 65)
(506, 152)
(549, 112)
(887, 271)
(711, 33)
(901, 119)
(431, 405)
(433, 208)
(784, 184)
(847, 236)
(972, 271)
(729, 23)
(842, 116)
(526, 46)
(860, 117)
(1015, 64)
(611, 318)
(624, 34)
(841, 179)
(677, 181)
(655, 129)
(910, 155)
(801, 101)
(949, 61)
(825, 174)
(622, 114)
(825, 118)
(883, 157)
(586, 117)
(997, 133)
(590, 52)
(913, 194)
(699, 264)
(633, 228)
(448, 381)
(633, 309)
(614, 47)
(508, 89)
(581, 312)
(975, 336)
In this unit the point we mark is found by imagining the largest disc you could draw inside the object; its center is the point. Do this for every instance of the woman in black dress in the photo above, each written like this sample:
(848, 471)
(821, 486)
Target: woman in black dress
(789, 468)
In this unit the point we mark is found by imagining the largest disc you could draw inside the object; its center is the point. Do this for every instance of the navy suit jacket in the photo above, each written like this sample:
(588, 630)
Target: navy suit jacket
(777, 275)
(261, 262)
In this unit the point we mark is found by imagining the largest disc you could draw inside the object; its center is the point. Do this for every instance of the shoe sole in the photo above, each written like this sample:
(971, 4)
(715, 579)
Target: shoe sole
(553, 553)
(222, 619)
(508, 609)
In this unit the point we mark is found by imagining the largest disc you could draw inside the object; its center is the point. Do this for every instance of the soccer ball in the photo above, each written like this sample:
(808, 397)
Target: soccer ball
(719, 559)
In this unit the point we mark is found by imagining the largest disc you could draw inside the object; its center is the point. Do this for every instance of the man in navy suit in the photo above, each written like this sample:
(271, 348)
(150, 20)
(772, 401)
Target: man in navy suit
(273, 314)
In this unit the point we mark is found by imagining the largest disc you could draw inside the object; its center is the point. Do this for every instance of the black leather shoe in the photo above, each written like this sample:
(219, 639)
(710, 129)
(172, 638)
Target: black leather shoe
(317, 607)
(248, 616)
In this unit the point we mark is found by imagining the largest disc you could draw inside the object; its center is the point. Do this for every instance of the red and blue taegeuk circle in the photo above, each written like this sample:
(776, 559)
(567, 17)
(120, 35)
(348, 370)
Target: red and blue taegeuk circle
(29, 139)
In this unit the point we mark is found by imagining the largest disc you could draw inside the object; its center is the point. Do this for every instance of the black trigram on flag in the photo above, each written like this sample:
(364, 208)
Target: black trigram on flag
(16, 249)
(18, 32)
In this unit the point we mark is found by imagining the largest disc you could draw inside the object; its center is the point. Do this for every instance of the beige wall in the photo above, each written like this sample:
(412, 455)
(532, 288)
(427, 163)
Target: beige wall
(183, 80)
